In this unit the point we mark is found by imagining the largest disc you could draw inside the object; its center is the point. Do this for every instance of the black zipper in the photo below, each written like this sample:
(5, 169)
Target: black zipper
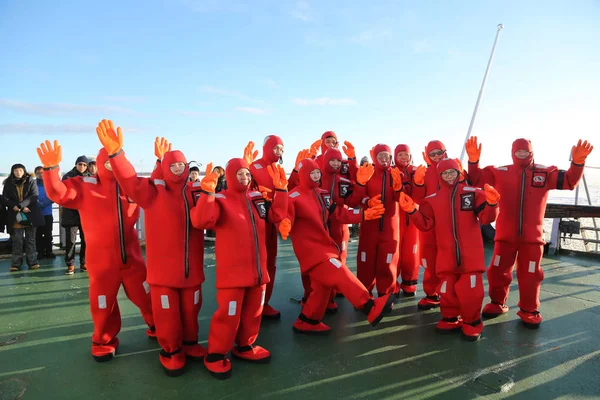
(382, 198)
(323, 210)
(523, 175)
(454, 226)
(187, 231)
(121, 227)
(253, 222)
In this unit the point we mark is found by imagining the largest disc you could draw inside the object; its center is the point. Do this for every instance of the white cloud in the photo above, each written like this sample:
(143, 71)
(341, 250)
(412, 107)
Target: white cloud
(252, 110)
(61, 109)
(26, 128)
(302, 11)
(325, 101)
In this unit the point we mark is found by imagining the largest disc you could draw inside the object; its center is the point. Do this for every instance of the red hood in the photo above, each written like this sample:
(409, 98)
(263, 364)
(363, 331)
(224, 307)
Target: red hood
(305, 167)
(522, 144)
(103, 173)
(169, 158)
(325, 136)
(331, 154)
(270, 142)
(378, 149)
(231, 170)
(443, 165)
(435, 145)
(399, 148)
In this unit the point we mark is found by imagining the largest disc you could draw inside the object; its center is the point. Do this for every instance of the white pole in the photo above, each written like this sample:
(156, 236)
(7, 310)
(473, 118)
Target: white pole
(487, 70)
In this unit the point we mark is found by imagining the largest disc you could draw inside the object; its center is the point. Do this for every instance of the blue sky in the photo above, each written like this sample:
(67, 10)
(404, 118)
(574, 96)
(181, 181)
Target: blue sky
(211, 75)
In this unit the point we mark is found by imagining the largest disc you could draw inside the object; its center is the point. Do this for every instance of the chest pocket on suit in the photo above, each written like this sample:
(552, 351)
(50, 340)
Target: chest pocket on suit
(467, 202)
(344, 189)
(538, 179)
(262, 207)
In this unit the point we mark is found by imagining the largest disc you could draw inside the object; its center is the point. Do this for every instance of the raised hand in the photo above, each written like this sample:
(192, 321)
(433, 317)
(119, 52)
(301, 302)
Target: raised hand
(491, 195)
(302, 154)
(265, 192)
(419, 177)
(473, 150)
(396, 179)
(209, 182)
(285, 226)
(406, 203)
(581, 151)
(314, 148)
(349, 150)
(161, 146)
(277, 174)
(375, 201)
(50, 157)
(249, 153)
(374, 212)
(426, 157)
(111, 140)
(364, 173)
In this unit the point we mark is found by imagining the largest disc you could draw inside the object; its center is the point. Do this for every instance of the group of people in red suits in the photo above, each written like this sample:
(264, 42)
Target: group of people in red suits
(409, 216)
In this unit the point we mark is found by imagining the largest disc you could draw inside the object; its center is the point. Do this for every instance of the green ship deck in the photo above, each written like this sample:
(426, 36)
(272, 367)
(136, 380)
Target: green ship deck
(45, 330)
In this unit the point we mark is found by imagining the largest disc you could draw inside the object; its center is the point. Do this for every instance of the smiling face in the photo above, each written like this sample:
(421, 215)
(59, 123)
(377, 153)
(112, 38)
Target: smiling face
(403, 156)
(522, 154)
(177, 168)
(315, 175)
(335, 164)
(243, 176)
(449, 176)
(278, 150)
(436, 155)
(330, 142)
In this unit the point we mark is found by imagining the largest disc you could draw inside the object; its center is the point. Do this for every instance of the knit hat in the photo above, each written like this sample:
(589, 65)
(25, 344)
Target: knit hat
(91, 160)
(82, 159)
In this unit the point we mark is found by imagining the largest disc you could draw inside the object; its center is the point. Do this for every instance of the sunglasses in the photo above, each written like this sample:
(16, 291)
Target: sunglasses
(436, 153)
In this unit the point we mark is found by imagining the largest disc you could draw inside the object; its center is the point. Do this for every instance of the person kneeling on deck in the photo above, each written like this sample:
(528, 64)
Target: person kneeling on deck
(454, 213)
(309, 210)
(174, 248)
(238, 216)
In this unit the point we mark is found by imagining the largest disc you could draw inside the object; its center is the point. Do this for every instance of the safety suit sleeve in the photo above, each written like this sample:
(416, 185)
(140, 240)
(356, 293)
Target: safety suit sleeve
(291, 214)
(352, 168)
(418, 193)
(279, 207)
(359, 196)
(293, 180)
(67, 193)
(141, 190)
(423, 217)
(565, 180)
(261, 179)
(485, 212)
(479, 177)
(206, 212)
(347, 215)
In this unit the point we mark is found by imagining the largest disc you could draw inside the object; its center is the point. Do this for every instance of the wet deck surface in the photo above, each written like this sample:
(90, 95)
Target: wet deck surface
(45, 330)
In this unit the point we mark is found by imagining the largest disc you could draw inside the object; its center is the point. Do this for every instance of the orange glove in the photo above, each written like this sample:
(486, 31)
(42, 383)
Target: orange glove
(209, 182)
(491, 195)
(314, 148)
(249, 155)
(419, 177)
(374, 212)
(301, 156)
(364, 173)
(581, 151)
(111, 140)
(349, 150)
(266, 193)
(375, 201)
(426, 157)
(461, 171)
(396, 179)
(407, 204)
(473, 150)
(285, 226)
(49, 156)
(277, 174)
(161, 146)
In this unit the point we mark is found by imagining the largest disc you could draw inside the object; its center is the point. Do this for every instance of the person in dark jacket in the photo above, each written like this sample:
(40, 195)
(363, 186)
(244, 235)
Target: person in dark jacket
(43, 235)
(20, 195)
(222, 182)
(71, 222)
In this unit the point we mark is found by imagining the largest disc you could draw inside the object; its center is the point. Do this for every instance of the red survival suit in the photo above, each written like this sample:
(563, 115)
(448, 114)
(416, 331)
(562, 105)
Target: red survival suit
(348, 169)
(427, 243)
(309, 211)
(238, 216)
(174, 256)
(453, 214)
(261, 177)
(114, 253)
(523, 187)
(408, 248)
(378, 239)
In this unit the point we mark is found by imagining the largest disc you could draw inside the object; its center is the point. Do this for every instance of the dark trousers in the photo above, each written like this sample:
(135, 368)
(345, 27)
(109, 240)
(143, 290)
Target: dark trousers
(71, 241)
(43, 237)
(17, 246)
